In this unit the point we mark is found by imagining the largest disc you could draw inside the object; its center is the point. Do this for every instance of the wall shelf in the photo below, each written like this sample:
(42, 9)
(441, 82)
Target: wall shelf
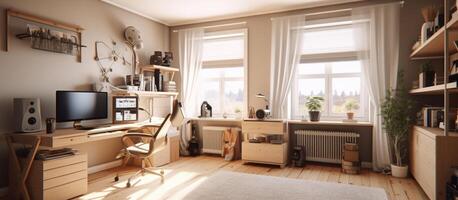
(76, 32)
(434, 46)
(149, 93)
(435, 90)
(148, 68)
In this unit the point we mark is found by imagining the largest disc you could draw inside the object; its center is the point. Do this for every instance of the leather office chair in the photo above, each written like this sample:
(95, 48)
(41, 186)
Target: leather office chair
(157, 141)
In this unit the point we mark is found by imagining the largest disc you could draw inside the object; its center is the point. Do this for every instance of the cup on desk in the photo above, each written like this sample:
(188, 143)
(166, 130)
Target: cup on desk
(50, 125)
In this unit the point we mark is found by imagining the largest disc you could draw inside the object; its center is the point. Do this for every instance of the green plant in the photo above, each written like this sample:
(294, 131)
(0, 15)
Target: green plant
(426, 67)
(313, 103)
(351, 105)
(396, 112)
(237, 110)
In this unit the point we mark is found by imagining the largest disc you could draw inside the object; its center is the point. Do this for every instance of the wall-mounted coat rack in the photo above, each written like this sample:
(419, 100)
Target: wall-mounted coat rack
(49, 38)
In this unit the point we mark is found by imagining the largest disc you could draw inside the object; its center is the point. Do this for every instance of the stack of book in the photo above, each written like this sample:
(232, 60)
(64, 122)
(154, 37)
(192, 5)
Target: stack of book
(170, 86)
(432, 116)
(350, 159)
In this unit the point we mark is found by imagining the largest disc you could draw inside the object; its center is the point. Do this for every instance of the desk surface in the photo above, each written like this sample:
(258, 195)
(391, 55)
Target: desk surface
(71, 136)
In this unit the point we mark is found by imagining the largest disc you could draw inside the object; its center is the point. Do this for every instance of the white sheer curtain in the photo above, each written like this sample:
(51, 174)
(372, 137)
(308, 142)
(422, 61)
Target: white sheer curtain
(285, 56)
(190, 47)
(377, 37)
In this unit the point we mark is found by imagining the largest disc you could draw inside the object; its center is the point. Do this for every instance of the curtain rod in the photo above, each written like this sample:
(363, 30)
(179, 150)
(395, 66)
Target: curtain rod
(215, 26)
(343, 10)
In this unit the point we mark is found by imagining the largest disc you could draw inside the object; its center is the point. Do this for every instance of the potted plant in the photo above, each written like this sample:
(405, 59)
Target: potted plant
(396, 111)
(313, 105)
(427, 75)
(350, 106)
(238, 113)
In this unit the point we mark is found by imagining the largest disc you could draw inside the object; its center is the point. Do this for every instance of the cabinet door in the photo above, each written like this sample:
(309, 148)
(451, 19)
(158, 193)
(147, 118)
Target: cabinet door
(425, 164)
(414, 153)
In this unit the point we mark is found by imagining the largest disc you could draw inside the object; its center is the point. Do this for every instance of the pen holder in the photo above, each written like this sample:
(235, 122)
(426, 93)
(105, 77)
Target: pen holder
(50, 125)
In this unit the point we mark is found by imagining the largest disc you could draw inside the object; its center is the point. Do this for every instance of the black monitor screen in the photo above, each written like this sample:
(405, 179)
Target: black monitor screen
(79, 105)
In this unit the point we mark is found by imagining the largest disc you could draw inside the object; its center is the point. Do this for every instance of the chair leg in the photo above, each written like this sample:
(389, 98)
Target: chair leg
(160, 173)
(133, 176)
(124, 163)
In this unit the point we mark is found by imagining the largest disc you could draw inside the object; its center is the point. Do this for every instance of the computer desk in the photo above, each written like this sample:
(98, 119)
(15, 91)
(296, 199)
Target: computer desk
(59, 139)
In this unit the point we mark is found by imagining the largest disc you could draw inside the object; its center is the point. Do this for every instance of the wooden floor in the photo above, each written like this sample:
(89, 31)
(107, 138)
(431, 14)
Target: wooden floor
(183, 174)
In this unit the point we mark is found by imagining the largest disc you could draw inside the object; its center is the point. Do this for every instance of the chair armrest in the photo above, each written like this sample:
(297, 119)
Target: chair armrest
(127, 138)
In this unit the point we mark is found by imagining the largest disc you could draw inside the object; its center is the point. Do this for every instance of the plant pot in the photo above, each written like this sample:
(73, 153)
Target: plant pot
(350, 115)
(399, 171)
(314, 116)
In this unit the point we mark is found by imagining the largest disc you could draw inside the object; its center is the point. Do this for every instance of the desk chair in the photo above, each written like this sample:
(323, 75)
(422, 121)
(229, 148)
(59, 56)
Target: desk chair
(157, 141)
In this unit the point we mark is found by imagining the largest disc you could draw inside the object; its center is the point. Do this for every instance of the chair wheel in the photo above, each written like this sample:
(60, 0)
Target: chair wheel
(116, 179)
(128, 184)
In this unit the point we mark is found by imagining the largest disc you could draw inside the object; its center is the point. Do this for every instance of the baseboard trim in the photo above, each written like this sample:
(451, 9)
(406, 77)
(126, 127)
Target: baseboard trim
(3, 191)
(104, 166)
(366, 165)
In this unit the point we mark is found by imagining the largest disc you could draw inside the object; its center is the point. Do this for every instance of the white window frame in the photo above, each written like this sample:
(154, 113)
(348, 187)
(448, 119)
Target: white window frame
(327, 58)
(219, 35)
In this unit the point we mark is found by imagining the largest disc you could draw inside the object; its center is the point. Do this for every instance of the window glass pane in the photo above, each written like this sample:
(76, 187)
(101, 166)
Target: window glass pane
(346, 67)
(233, 96)
(233, 72)
(210, 73)
(223, 49)
(309, 87)
(328, 40)
(344, 90)
(311, 68)
(211, 93)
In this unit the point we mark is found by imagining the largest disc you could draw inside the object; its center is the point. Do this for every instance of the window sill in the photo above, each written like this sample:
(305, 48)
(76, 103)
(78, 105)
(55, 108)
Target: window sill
(217, 119)
(333, 123)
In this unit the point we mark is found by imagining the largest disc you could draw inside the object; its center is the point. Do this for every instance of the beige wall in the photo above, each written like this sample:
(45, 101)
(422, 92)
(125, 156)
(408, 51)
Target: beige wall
(25, 72)
(259, 39)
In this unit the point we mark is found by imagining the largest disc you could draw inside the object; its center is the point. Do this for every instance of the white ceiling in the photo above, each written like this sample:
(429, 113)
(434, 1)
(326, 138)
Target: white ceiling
(179, 12)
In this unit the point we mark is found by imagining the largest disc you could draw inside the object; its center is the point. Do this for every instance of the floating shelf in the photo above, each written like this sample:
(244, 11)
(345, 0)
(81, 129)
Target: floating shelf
(147, 68)
(434, 46)
(437, 89)
(153, 94)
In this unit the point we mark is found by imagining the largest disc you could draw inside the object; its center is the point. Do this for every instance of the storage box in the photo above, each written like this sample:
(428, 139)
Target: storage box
(352, 156)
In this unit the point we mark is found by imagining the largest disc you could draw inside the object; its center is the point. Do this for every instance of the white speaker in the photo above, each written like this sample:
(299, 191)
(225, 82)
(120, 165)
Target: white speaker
(27, 115)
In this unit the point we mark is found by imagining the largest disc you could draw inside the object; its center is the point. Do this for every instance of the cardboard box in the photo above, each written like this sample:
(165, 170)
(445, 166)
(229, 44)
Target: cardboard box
(351, 147)
(352, 156)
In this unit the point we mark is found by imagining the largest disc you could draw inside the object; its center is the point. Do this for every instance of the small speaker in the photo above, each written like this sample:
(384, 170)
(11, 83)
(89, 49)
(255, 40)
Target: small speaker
(27, 115)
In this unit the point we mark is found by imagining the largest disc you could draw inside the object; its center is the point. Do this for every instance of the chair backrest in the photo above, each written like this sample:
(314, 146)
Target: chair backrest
(174, 119)
(177, 117)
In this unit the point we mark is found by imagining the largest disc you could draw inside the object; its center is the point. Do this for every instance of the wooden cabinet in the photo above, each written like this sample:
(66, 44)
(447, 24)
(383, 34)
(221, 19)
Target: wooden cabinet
(265, 153)
(431, 157)
(61, 178)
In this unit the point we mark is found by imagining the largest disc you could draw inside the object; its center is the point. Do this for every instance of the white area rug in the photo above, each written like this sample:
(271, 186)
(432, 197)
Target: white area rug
(231, 186)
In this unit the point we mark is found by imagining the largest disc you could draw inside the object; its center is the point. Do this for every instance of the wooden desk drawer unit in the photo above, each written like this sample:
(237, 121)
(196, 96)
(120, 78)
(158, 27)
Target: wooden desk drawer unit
(266, 153)
(62, 178)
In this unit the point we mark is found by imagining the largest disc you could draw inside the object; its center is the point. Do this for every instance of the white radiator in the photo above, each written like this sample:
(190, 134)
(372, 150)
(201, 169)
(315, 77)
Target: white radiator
(212, 139)
(324, 146)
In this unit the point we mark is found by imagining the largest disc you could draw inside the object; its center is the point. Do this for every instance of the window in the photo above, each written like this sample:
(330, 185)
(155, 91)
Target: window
(329, 68)
(222, 77)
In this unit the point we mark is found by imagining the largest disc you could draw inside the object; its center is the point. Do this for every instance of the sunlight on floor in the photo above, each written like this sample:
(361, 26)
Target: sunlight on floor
(147, 186)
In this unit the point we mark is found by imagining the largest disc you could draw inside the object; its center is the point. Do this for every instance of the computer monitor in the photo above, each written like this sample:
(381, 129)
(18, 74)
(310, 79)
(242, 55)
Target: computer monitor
(81, 105)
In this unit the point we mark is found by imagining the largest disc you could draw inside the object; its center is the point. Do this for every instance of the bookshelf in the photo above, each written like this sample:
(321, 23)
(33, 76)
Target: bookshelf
(430, 147)
(434, 46)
